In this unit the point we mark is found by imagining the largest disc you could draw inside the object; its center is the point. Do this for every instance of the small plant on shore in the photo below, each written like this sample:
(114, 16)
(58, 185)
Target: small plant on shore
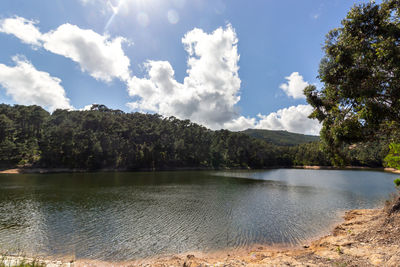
(397, 183)
(349, 231)
(393, 160)
(339, 250)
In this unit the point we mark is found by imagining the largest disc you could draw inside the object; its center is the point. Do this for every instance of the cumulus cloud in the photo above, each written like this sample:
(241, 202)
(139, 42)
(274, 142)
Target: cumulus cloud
(209, 92)
(241, 123)
(99, 55)
(294, 86)
(102, 57)
(28, 86)
(87, 107)
(23, 29)
(293, 119)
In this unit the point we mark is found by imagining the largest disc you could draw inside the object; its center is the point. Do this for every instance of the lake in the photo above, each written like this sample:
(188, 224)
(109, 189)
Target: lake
(122, 216)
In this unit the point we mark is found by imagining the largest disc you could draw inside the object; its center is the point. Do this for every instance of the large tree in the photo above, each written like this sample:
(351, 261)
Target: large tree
(360, 73)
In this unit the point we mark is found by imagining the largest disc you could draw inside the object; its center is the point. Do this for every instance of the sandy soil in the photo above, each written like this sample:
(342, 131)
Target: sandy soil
(365, 238)
(11, 171)
(392, 170)
(34, 170)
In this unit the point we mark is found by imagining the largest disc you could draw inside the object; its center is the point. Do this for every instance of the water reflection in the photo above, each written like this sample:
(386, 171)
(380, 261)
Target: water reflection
(119, 216)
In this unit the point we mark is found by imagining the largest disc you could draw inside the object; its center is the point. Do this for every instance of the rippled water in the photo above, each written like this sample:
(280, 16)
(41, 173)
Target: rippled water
(121, 216)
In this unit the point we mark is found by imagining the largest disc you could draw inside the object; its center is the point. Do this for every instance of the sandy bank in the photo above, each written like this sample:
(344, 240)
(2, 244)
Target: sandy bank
(365, 238)
(11, 171)
(50, 170)
(392, 170)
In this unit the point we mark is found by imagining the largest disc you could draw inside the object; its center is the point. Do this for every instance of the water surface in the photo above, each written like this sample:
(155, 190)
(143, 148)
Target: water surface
(122, 216)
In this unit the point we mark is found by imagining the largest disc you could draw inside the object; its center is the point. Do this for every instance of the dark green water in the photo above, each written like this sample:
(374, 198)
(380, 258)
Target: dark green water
(121, 216)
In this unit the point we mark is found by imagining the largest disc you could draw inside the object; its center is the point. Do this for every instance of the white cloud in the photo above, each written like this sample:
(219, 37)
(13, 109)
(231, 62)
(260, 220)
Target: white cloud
(292, 119)
(23, 29)
(87, 107)
(99, 55)
(294, 86)
(209, 92)
(240, 124)
(28, 86)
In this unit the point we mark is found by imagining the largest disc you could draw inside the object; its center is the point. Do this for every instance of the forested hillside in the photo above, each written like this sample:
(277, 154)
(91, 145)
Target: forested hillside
(105, 138)
(281, 138)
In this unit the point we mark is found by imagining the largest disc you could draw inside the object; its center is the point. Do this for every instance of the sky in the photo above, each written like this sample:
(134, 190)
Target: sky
(225, 64)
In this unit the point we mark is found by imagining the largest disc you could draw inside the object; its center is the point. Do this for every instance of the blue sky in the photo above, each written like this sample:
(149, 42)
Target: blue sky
(249, 59)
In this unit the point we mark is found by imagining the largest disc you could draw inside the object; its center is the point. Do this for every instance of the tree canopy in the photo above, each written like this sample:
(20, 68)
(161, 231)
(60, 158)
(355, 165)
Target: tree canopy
(103, 138)
(360, 72)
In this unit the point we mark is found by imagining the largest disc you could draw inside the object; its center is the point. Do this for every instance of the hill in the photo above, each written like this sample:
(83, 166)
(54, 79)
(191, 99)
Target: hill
(102, 138)
(281, 138)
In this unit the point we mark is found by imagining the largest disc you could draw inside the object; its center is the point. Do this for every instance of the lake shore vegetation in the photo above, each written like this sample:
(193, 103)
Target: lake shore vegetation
(106, 139)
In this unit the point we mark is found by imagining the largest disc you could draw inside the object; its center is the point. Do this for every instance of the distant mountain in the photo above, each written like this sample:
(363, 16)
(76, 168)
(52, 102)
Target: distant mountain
(282, 138)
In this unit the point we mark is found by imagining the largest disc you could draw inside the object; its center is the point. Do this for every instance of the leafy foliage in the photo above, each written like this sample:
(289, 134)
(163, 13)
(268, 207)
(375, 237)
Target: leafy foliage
(393, 158)
(361, 75)
(102, 138)
(20, 129)
(105, 138)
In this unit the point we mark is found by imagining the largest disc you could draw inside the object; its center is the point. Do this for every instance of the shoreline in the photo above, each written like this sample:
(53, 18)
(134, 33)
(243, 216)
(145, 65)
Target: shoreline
(66, 170)
(363, 238)
(366, 237)
(384, 169)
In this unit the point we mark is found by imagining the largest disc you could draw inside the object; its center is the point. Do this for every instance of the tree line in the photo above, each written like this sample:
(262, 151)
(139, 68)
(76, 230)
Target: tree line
(103, 138)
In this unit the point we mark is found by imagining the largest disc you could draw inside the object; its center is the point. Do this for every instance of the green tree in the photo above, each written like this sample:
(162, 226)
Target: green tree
(360, 72)
(393, 157)
(393, 160)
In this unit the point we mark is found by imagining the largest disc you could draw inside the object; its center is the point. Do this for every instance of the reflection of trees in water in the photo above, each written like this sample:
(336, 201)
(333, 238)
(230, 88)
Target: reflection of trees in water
(122, 216)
